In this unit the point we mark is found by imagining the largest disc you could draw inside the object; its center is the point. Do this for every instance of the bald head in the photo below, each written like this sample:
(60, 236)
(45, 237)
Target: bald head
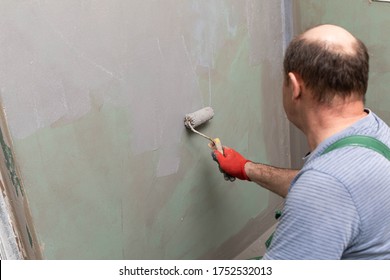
(335, 37)
(330, 61)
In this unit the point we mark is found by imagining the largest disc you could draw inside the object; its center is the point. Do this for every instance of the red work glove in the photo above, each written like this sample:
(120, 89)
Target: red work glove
(231, 162)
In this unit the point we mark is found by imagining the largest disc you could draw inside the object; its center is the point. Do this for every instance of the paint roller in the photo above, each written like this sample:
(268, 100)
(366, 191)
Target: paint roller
(198, 118)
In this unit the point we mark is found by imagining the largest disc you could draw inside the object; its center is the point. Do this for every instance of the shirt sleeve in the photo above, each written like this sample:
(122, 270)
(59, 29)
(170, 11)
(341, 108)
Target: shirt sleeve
(319, 220)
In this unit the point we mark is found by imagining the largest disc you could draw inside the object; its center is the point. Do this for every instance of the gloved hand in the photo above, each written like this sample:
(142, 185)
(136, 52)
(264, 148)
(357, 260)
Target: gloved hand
(231, 163)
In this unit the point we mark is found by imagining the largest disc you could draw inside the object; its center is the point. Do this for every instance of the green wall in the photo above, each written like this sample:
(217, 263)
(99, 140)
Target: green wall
(95, 94)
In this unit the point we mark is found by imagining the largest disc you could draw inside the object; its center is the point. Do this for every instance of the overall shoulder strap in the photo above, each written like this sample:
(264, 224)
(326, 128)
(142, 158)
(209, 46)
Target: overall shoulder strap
(361, 141)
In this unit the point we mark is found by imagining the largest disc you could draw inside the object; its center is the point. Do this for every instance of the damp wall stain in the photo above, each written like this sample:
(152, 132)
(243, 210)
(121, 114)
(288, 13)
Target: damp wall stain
(95, 94)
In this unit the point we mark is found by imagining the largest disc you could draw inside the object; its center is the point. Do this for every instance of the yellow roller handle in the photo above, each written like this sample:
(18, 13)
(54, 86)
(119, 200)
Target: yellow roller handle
(216, 145)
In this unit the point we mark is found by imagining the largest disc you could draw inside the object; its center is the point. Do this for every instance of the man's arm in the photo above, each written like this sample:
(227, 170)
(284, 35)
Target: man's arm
(275, 179)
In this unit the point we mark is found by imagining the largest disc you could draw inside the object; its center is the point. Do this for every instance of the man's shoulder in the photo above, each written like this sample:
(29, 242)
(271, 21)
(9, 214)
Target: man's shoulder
(350, 164)
(350, 156)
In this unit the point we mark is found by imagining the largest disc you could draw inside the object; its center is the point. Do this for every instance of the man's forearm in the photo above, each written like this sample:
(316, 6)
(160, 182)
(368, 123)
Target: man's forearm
(275, 179)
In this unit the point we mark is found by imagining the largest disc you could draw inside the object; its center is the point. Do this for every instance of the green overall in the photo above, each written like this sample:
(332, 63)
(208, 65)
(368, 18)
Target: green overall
(354, 140)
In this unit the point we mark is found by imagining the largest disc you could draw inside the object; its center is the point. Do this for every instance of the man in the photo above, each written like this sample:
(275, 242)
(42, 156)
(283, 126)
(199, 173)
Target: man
(338, 205)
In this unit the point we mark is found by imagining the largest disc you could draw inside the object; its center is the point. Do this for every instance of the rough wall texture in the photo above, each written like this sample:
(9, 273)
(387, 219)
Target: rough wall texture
(95, 93)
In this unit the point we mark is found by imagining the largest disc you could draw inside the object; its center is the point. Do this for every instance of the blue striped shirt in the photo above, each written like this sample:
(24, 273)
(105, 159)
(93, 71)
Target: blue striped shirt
(338, 206)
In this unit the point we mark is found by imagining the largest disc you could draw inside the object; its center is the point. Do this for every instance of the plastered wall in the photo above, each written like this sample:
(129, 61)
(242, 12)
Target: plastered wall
(94, 95)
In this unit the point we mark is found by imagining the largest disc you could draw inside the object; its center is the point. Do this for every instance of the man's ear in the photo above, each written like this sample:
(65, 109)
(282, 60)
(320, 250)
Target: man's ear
(295, 83)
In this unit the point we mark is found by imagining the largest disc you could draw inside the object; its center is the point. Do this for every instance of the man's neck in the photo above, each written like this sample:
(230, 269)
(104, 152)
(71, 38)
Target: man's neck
(325, 121)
